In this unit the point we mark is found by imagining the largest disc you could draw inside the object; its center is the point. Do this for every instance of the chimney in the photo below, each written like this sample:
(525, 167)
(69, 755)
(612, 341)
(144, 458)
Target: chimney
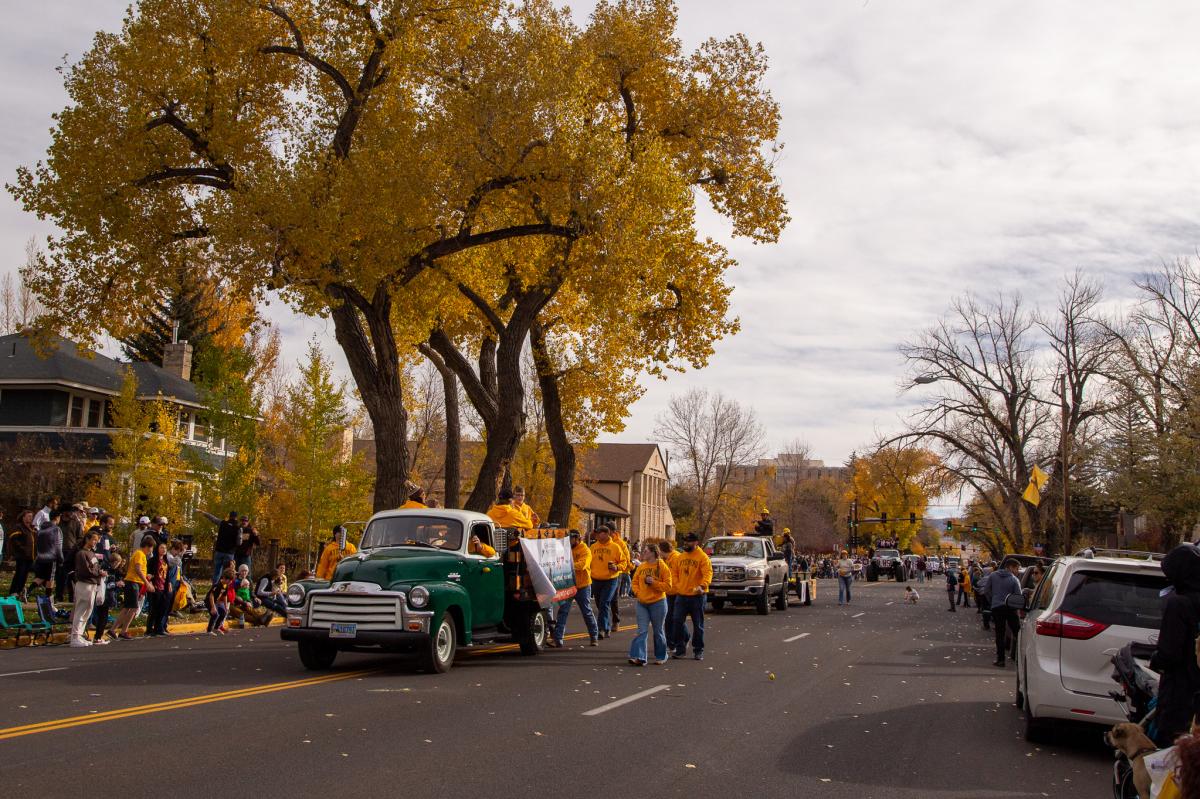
(177, 359)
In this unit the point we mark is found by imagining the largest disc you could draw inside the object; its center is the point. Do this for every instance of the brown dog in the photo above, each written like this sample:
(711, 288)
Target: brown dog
(1131, 739)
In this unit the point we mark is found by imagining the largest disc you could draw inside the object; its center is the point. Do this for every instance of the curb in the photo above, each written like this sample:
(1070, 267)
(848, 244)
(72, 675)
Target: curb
(182, 628)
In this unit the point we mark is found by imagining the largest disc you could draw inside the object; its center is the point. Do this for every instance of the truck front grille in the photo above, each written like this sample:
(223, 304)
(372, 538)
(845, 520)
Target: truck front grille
(368, 611)
(731, 574)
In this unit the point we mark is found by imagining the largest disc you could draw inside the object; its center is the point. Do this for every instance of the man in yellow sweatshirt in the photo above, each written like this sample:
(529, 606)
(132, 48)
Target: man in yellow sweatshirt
(333, 553)
(416, 500)
(623, 581)
(505, 513)
(650, 585)
(667, 553)
(608, 561)
(693, 574)
(519, 503)
(582, 557)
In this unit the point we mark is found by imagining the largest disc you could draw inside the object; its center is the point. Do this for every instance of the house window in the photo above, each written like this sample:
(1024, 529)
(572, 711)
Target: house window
(77, 411)
(201, 430)
(93, 415)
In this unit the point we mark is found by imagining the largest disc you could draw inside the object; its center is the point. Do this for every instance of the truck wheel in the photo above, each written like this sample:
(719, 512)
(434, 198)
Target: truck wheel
(781, 600)
(899, 574)
(718, 605)
(531, 631)
(443, 643)
(316, 656)
(872, 572)
(763, 605)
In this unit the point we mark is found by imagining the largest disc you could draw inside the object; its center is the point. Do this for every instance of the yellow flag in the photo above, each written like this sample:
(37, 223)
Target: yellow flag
(1038, 478)
(1031, 495)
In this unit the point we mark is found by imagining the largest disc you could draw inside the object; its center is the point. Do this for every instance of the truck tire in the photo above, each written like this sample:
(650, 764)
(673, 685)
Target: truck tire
(531, 631)
(898, 573)
(317, 656)
(872, 572)
(781, 600)
(763, 603)
(718, 605)
(438, 657)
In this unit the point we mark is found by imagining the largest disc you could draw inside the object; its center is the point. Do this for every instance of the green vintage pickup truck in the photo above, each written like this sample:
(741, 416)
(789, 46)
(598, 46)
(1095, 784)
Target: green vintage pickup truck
(415, 587)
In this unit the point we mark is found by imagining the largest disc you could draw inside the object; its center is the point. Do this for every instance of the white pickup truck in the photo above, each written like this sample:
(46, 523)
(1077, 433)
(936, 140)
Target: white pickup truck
(747, 570)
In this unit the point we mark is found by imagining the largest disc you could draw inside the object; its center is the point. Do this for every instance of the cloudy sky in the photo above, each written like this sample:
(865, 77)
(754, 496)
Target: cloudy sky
(932, 148)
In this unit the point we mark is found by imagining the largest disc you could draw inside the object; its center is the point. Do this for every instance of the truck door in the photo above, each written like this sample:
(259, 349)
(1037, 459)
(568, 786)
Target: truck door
(776, 568)
(484, 580)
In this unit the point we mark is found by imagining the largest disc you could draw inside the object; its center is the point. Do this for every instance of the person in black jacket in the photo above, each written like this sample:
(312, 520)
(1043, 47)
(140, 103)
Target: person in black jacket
(1175, 658)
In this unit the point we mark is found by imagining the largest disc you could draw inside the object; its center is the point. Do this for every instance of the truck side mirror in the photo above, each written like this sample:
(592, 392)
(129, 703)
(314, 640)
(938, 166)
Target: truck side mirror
(775, 556)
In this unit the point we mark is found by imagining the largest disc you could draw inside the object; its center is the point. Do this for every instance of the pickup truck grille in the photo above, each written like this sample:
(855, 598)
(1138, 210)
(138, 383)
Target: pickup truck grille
(369, 612)
(732, 574)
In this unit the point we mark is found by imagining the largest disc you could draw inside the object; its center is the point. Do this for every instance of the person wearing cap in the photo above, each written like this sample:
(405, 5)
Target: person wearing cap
(581, 556)
(158, 528)
(505, 513)
(138, 533)
(692, 574)
(667, 552)
(416, 500)
(93, 519)
(229, 535)
(340, 547)
(608, 561)
(765, 525)
(248, 540)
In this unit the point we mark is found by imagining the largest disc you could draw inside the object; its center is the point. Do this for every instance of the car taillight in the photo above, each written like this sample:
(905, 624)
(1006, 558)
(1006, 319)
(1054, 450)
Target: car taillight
(1066, 625)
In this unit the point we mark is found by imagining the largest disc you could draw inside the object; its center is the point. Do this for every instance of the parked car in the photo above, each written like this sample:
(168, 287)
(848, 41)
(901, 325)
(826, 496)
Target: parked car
(1082, 611)
(414, 586)
(747, 571)
(933, 564)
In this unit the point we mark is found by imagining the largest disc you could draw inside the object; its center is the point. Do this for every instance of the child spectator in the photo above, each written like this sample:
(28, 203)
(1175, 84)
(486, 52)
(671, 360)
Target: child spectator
(910, 595)
(217, 602)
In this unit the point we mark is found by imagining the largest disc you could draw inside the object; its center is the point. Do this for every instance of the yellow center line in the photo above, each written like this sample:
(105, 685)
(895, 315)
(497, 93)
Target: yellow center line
(177, 704)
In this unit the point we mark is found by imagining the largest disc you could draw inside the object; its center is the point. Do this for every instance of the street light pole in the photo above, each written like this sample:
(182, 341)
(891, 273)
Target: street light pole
(1066, 469)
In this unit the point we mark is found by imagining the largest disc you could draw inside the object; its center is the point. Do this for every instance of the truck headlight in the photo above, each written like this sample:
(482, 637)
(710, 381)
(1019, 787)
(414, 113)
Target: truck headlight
(755, 571)
(295, 594)
(419, 597)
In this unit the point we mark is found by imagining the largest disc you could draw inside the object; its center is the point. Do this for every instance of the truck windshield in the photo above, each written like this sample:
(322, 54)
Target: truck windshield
(738, 547)
(887, 553)
(398, 531)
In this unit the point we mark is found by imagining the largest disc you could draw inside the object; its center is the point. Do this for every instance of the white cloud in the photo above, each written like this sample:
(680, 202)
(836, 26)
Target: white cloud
(931, 148)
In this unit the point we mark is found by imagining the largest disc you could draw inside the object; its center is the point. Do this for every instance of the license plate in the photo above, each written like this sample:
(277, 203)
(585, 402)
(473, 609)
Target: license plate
(339, 629)
(717, 593)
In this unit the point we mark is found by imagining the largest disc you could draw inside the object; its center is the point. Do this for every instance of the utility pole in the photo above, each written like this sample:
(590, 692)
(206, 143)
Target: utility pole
(1066, 468)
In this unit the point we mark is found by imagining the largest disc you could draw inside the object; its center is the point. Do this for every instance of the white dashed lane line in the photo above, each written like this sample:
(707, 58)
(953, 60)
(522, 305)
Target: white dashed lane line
(596, 711)
(856, 615)
(34, 671)
(795, 638)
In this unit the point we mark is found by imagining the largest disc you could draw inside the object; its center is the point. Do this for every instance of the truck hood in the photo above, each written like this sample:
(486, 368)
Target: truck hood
(390, 565)
(731, 560)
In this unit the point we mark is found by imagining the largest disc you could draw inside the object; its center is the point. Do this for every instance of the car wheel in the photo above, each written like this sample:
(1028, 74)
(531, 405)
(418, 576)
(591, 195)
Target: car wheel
(1037, 731)
(718, 605)
(439, 657)
(531, 631)
(781, 600)
(317, 656)
(763, 602)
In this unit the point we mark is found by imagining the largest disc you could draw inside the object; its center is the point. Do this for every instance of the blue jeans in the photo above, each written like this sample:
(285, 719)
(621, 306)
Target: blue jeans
(688, 607)
(604, 591)
(650, 619)
(220, 561)
(583, 596)
(844, 588)
(671, 625)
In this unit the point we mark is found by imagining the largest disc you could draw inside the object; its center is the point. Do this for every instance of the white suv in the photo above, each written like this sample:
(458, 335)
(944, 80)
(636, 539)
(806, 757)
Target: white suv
(1081, 613)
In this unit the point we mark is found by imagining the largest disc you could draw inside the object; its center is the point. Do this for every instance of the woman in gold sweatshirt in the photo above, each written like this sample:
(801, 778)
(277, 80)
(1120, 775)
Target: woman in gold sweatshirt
(651, 582)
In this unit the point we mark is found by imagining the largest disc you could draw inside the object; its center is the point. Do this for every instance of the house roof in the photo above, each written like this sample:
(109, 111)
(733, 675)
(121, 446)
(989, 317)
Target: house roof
(68, 365)
(616, 463)
(586, 498)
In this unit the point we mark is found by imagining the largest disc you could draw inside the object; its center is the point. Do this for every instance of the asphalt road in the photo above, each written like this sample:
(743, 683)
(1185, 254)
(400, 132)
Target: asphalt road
(875, 699)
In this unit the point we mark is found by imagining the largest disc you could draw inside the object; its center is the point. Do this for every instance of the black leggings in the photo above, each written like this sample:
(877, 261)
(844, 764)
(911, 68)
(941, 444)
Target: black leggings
(20, 576)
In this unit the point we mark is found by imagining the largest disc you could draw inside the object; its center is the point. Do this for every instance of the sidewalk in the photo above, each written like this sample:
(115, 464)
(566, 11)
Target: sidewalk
(180, 628)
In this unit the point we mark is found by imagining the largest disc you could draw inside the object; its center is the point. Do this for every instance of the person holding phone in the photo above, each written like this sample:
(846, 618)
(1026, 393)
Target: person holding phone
(651, 582)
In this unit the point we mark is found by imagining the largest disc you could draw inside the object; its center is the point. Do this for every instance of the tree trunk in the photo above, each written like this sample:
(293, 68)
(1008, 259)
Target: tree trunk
(375, 365)
(452, 487)
(507, 428)
(562, 498)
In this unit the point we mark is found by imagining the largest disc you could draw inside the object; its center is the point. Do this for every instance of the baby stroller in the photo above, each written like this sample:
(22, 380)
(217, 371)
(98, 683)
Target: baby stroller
(1138, 697)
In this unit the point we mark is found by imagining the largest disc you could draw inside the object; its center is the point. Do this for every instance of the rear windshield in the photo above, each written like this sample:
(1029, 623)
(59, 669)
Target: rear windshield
(1130, 600)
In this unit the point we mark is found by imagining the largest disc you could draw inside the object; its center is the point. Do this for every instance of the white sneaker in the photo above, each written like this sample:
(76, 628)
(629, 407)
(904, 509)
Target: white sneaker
(80, 642)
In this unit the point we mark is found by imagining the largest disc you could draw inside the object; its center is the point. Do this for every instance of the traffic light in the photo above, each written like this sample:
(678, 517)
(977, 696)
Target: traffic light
(974, 528)
(912, 518)
(949, 525)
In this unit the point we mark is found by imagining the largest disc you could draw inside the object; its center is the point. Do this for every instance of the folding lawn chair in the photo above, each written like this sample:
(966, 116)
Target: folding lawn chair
(47, 620)
(12, 620)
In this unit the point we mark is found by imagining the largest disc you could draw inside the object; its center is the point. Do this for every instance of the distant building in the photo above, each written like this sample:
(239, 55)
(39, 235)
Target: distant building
(625, 485)
(786, 469)
(64, 401)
